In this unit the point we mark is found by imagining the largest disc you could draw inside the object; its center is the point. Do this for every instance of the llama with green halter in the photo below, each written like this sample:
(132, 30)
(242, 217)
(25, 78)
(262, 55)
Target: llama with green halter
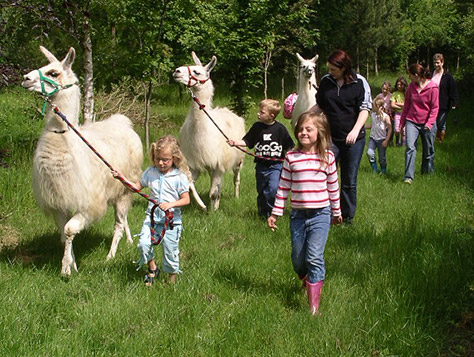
(70, 183)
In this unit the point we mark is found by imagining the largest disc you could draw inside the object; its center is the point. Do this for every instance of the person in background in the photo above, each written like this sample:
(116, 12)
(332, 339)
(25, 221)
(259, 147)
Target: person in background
(344, 97)
(271, 141)
(386, 95)
(310, 175)
(397, 101)
(448, 94)
(380, 132)
(419, 116)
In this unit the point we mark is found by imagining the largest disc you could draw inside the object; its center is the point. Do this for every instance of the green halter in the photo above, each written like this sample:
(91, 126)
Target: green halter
(57, 87)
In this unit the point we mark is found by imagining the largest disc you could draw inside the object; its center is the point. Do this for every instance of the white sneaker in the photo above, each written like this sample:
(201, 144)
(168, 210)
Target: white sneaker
(408, 181)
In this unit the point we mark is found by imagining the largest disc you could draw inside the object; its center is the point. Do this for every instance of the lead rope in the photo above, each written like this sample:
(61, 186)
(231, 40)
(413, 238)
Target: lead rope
(168, 224)
(202, 107)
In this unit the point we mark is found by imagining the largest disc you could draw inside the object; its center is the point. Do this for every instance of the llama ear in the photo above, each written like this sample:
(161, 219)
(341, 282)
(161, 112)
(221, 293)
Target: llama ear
(301, 59)
(211, 64)
(51, 58)
(69, 59)
(196, 60)
(314, 59)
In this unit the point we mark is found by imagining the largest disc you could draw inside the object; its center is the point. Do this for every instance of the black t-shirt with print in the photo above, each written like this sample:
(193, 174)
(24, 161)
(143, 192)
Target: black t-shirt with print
(271, 141)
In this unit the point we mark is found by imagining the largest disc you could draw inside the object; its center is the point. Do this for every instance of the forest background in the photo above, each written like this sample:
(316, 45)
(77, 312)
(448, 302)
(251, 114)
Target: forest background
(138, 44)
(402, 289)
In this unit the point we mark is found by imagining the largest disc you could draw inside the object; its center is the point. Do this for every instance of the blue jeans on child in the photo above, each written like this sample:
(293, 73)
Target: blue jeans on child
(427, 141)
(170, 246)
(382, 150)
(267, 178)
(349, 157)
(309, 232)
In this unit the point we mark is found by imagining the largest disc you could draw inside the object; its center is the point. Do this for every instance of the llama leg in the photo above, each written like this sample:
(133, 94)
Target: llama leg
(215, 192)
(121, 223)
(72, 227)
(60, 219)
(237, 178)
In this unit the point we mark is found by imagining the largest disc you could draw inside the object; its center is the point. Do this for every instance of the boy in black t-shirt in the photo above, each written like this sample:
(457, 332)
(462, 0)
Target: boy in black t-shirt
(271, 140)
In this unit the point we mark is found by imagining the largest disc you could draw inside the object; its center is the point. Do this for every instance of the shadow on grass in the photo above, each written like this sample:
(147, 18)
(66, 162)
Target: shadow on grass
(240, 280)
(430, 271)
(46, 251)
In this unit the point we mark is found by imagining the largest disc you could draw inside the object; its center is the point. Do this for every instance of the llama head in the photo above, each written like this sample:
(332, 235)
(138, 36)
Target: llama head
(52, 77)
(307, 66)
(194, 76)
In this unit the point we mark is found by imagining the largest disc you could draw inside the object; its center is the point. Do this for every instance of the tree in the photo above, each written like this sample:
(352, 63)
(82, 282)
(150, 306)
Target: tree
(64, 22)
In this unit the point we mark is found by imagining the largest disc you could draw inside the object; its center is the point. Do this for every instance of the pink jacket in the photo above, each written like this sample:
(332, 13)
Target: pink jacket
(421, 107)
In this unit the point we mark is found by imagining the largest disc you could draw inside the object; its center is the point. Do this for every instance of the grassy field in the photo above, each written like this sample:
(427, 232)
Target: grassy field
(400, 280)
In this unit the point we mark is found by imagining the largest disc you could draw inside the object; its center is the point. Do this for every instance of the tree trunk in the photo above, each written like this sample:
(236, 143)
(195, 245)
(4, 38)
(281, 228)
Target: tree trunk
(357, 59)
(88, 109)
(282, 89)
(367, 65)
(376, 62)
(457, 63)
(147, 113)
(268, 56)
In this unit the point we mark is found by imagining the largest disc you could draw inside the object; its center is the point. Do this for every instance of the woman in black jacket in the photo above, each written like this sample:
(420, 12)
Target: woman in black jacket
(344, 96)
(448, 94)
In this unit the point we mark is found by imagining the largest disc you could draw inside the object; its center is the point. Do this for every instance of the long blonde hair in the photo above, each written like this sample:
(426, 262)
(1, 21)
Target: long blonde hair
(321, 123)
(169, 142)
(379, 105)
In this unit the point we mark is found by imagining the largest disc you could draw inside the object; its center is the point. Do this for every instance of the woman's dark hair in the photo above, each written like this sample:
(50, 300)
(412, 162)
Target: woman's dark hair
(403, 81)
(438, 56)
(418, 69)
(340, 59)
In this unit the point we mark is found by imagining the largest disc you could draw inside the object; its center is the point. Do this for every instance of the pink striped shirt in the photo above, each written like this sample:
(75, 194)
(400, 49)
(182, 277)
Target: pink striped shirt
(311, 181)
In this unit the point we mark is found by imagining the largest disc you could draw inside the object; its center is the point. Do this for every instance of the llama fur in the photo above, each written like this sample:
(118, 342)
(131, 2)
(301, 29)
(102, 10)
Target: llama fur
(204, 147)
(307, 87)
(70, 182)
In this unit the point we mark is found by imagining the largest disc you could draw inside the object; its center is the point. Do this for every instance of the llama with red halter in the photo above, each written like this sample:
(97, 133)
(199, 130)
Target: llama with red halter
(204, 147)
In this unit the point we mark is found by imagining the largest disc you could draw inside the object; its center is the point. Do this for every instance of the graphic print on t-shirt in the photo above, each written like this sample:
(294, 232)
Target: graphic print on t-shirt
(268, 147)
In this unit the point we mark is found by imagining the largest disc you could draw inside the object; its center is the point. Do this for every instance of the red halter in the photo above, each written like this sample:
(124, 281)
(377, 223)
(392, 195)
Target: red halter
(191, 77)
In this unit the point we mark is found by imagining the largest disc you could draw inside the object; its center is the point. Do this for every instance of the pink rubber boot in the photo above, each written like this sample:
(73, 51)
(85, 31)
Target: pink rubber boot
(314, 295)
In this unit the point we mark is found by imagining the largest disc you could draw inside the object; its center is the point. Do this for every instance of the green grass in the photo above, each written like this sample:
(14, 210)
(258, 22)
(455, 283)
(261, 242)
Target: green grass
(400, 281)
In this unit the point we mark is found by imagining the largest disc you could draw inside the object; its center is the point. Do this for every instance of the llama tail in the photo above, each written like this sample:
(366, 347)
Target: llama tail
(196, 197)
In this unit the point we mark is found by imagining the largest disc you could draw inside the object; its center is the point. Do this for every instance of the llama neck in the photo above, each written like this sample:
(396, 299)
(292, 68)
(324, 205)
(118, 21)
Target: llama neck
(307, 85)
(68, 102)
(204, 93)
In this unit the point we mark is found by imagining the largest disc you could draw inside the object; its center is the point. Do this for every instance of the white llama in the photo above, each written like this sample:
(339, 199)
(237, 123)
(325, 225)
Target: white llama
(204, 147)
(69, 181)
(307, 87)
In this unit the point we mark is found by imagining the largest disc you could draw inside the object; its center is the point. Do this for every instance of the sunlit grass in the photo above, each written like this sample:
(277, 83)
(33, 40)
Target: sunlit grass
(400, 281)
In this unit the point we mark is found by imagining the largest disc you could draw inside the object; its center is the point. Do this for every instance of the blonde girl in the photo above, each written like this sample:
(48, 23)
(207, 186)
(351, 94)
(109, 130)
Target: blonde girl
(310, 174)
(379, 136)
(168, 180)
(398, 100)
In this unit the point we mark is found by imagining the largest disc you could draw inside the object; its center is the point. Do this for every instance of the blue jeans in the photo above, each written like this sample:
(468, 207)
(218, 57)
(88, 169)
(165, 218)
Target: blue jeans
(349, 157)
(309, 232)
(170, 244)
(382, 150)
(441, 120)
(267, 178)
(427, 140)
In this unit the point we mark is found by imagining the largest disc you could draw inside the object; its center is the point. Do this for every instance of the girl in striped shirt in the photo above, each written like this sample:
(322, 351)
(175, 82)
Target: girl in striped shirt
(310, 174)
